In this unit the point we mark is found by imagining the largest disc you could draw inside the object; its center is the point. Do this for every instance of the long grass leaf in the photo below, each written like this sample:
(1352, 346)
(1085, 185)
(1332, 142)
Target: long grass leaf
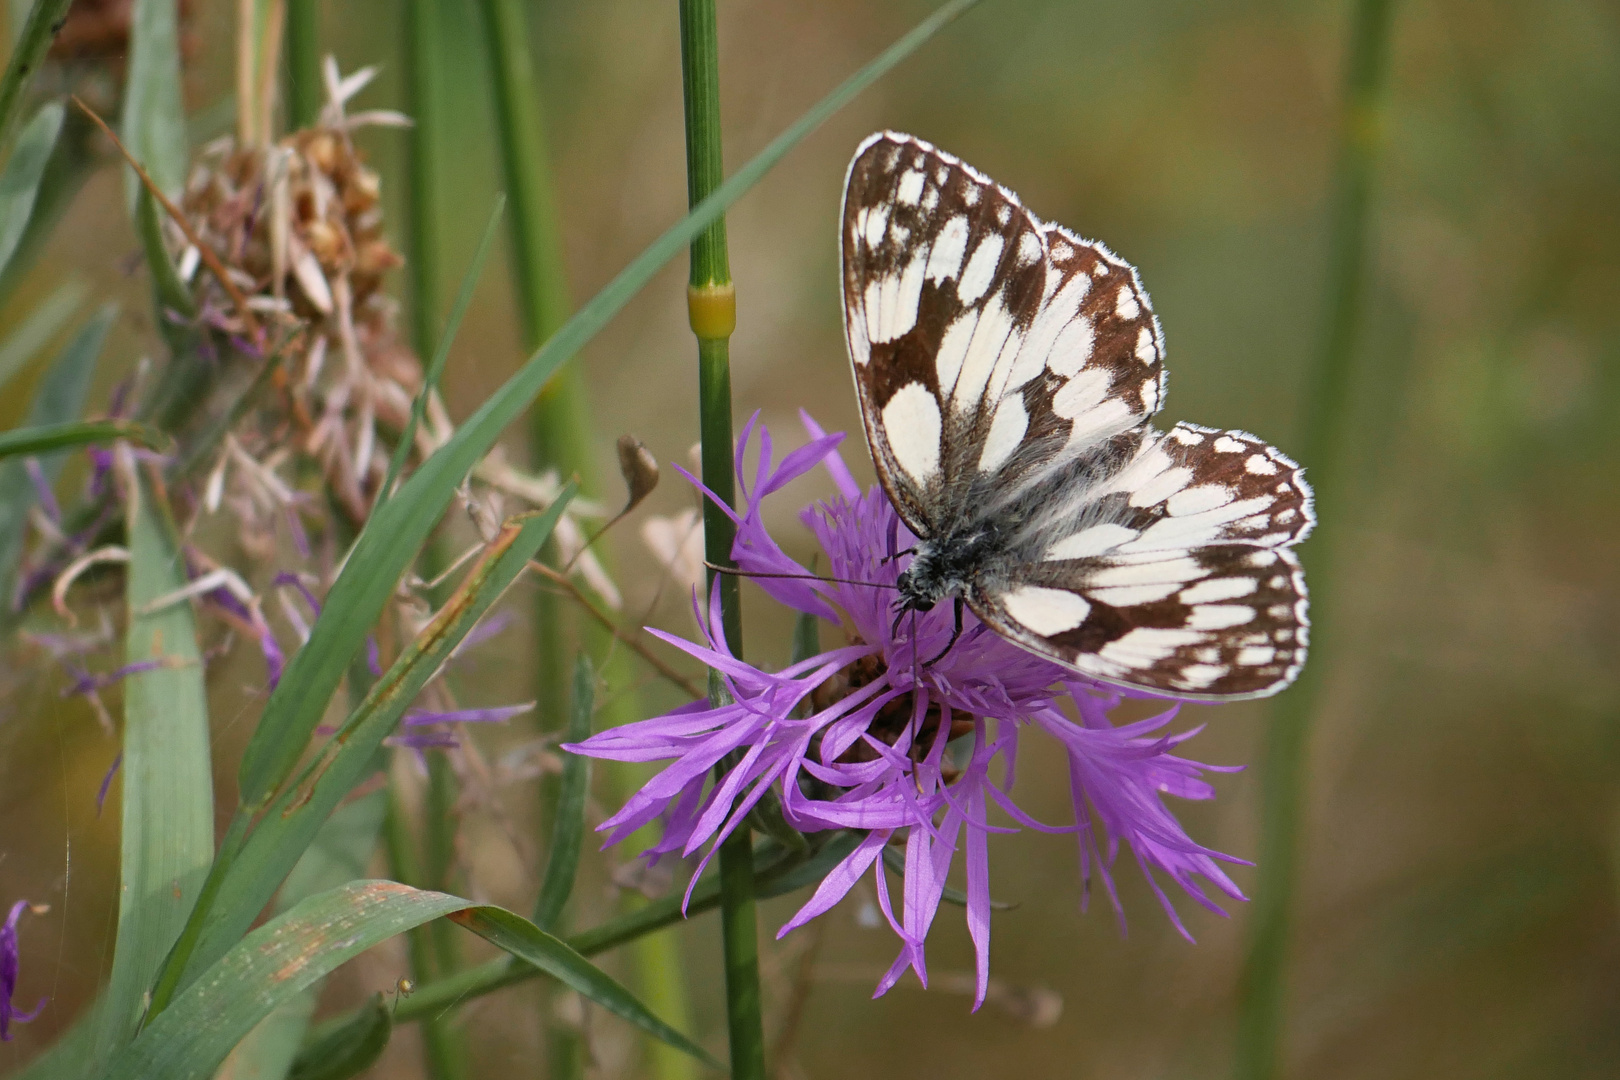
(41, 325)
(59, 398)
(568, 827)
(167, 825)
(348, 1050)
(19, 180)
(294, 819)
(43, 21)
(288, 955)
(154, 124)
(46, 437)
(172, 294)
(339, 855)
(522, 939)
(395, 533)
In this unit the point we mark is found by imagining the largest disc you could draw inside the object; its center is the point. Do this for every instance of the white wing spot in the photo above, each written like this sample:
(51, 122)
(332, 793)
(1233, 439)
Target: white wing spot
(970, 194)
(1255, 655)
(1126, 306)
(1130, 595)
(1061, 250)
(945, 258)
(1228, 445)
(1177, 570)
(1046, 611)
(1146, 350)
(1285, 516)
(1099, 269)
(910, 189)
(1029, 249)
(1196, 500)
(911, 424)
(1073, 348)
(1003, 214)
(1006, 433)
(930, 200)
(1146, 644)
(1199, 676)
(993, 333)
(1260, 465)
(953, 349)
(1089, 542)
(981, 269)
(1185, 437)
(1263, 559)
(1218, 616)
(941, 175)
(1211, 589)
(871, 224)
(1162, 486)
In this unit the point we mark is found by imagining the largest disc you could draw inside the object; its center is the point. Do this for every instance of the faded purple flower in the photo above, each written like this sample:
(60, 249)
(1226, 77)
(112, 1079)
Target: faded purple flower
(879, 736)
(8, 974)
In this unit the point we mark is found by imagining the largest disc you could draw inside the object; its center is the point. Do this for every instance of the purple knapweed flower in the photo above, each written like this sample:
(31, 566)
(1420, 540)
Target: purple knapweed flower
(879, 736)
(8, 974)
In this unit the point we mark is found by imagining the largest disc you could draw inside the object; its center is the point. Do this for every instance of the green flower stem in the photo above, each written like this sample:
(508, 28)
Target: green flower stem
(712, 307)
(303, 39)
(422, 82)
(561, 432)
(1323, 443)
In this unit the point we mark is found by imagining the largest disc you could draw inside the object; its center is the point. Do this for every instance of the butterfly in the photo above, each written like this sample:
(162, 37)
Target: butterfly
(1008, 372)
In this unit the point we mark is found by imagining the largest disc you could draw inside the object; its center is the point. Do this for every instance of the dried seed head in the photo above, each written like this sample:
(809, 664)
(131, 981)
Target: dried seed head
(639, 469)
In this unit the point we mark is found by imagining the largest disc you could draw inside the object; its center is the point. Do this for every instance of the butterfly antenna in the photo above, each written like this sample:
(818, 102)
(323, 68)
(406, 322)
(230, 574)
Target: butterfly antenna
(732, 570)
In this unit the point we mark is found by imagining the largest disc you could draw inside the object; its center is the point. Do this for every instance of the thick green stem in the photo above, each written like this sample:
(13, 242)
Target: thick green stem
(304, 91)
(711, 302)
(1264, 980)
(422, 100)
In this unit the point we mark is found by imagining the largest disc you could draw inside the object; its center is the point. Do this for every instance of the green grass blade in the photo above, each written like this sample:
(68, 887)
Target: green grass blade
(38, 440)
(290, 954)
(154, 124)
(524, 940)
(270, 967)
(168, 804)
(172, 294)
(568, 829)
(59, 398)
(339, 855)
(19, 180)
(396, 531)
(41, 325)
(441, 354)
(43, 22)
(293, 820)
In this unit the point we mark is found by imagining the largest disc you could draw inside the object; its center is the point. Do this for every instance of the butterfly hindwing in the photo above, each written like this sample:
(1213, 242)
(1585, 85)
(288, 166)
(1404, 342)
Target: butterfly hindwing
(985, 342)
(1187, 543)
(1221, 621)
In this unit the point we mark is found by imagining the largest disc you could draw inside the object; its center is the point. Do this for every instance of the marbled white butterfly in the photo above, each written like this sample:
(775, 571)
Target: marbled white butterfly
(1007, 373)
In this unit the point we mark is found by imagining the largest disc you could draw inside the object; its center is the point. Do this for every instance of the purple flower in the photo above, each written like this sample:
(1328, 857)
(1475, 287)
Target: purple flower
(8, 974)
(880, 736)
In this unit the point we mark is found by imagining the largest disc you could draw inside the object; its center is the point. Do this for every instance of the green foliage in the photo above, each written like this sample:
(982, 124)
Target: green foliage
(167, 822)
(19, 180)
(154, 125)
(286, 956)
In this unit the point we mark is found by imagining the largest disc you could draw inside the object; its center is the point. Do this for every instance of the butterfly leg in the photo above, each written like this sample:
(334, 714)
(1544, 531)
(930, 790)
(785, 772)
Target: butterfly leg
(956, 632)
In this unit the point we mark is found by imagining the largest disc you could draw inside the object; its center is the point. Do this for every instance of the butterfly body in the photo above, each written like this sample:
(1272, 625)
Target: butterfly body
(1008, 372)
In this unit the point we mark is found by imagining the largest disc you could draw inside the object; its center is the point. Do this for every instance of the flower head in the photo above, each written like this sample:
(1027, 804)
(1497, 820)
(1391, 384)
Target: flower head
(8, 974)
(897, 736)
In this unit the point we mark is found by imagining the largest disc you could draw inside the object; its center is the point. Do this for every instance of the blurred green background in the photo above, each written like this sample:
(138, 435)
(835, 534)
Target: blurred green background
(1458, 911)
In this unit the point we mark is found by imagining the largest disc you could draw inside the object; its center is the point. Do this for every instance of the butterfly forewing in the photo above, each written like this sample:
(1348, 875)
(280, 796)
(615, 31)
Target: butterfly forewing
(986, 343)
(1007, 371)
